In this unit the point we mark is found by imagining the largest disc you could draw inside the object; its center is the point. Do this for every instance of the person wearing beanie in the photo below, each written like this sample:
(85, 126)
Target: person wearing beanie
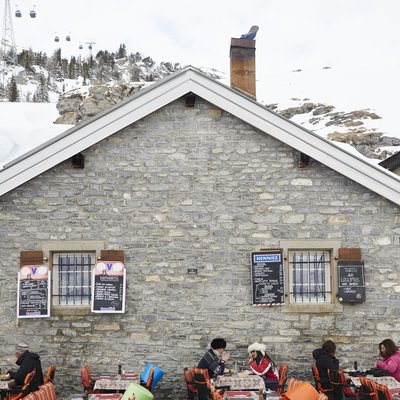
(261, 364)
(27, 362)
(214, 359)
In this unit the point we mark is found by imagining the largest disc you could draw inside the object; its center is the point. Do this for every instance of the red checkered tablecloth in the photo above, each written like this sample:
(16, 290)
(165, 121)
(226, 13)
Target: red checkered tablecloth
(388, 381)
(116, 384)
(241, 382)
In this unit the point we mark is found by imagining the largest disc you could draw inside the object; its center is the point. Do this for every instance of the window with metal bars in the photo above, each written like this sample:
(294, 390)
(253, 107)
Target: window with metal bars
(72, 278)
(310, 276)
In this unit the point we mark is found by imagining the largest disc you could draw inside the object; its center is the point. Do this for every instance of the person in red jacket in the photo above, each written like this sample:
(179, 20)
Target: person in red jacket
(391, 358)
(262, 365)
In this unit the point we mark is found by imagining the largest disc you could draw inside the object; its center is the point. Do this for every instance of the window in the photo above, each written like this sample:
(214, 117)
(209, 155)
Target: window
(71, 264)
(311, 275)
(72, 278)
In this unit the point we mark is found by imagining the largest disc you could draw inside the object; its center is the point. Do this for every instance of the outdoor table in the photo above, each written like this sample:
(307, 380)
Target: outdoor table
(248, 395)
(105, 396)
(241, 381)
(388, 381)
(115, 383)
(6, 385)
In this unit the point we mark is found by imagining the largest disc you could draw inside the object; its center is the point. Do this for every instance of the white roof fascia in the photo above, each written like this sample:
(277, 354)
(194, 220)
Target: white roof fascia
(374, 178)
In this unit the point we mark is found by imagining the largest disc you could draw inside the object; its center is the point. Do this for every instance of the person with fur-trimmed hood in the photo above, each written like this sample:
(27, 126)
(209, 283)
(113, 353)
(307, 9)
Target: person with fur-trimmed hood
(261, 364)
(214, 359)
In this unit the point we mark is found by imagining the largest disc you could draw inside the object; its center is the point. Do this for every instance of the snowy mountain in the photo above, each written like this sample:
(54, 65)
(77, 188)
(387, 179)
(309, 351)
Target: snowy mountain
(353, 107)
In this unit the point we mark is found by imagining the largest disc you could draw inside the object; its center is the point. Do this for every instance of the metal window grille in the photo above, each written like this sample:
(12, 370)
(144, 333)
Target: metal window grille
(310, 276)
(72, 278)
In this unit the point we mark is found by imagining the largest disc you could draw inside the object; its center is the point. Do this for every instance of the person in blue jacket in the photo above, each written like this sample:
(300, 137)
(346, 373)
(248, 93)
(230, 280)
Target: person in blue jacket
(214, 359)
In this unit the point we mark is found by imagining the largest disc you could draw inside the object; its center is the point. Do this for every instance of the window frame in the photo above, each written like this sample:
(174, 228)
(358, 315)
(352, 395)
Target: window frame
(52, 247)
(334, 306)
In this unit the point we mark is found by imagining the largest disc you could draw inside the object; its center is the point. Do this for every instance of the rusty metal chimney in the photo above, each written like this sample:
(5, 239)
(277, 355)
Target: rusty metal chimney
(243, 65)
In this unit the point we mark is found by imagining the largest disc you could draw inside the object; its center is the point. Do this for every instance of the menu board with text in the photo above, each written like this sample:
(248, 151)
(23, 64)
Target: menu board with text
(267, 278)
(33, 291)
(108, 287)
(351, 281)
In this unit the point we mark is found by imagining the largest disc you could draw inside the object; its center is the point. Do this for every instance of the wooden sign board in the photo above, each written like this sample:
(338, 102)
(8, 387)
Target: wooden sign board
(33, 291)
(108, 287)
(267, 278)
(351, 281)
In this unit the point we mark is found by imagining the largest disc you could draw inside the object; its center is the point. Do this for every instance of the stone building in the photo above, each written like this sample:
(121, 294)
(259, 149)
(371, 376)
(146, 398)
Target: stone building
(182, 182)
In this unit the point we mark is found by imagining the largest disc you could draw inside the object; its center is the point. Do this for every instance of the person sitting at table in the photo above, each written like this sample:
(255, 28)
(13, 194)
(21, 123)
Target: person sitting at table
(214, 359)
(27, 362)
(325, 359)
(391, 358)
(261, 364)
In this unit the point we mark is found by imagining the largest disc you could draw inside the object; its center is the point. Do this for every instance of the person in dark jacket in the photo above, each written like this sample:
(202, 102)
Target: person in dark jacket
(214, 359)
(27, 362)
(325, 359)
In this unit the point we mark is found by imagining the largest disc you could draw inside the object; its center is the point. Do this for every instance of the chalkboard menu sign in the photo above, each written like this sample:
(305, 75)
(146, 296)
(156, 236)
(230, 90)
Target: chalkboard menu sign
(33, 291)
(351, 281)
(108, 287)
(267, 278)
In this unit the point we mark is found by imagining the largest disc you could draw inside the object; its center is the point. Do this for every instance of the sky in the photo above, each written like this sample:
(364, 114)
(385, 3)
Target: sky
(357, 39)
(293, 33)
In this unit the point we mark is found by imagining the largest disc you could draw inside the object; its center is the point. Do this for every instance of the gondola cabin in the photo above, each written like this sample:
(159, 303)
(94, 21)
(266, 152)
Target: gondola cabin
(68, 38)
(56, 39)
(18, 14)
(32, 14)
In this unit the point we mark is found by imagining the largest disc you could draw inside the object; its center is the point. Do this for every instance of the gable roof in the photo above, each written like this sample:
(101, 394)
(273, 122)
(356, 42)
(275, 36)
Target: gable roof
(190, 79)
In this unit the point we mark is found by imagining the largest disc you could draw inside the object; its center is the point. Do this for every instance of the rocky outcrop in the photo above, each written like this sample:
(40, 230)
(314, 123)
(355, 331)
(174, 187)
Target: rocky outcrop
(347, 127)
(78, 106)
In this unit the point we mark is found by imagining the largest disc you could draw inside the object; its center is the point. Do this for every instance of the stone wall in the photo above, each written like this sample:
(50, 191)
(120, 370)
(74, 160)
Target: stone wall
(195, 188)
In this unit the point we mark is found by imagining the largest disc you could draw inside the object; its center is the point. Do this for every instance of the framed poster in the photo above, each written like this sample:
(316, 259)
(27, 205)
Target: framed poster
(267, 280)
(351, 281)
(33, 291)
(108, 287)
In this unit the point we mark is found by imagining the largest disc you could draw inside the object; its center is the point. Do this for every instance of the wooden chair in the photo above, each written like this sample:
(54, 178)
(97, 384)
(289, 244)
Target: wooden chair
(87, 381)
(317, 380)
(50, 374)
(282, 374)
(292, 383)
(368, 388)
(337, 378)
(17, 393)
(383, 392)
(200, 380)
(205, 389)
(189, 379)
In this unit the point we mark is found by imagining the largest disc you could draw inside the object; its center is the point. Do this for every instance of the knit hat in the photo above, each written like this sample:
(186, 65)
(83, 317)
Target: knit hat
(218, 343)
(261, 347)
(21, 348)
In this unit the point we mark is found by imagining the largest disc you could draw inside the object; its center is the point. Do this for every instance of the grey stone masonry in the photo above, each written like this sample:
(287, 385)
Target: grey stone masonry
(195, 188)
